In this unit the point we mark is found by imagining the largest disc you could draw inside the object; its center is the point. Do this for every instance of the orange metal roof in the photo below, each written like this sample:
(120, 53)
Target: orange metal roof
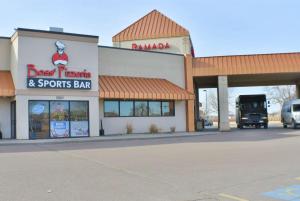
(152, 25)
(247, 64)
(119, 87)
(7, 87)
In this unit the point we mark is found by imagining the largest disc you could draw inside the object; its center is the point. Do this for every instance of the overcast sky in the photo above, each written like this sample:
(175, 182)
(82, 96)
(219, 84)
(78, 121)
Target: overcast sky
(217, 27)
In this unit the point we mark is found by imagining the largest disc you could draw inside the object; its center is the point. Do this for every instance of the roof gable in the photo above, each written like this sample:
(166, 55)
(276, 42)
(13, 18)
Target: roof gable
(152, 25)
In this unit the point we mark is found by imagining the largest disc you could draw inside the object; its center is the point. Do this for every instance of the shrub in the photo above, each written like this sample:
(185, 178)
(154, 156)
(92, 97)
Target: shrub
(153, 128)
(172, 129)
(129, 128)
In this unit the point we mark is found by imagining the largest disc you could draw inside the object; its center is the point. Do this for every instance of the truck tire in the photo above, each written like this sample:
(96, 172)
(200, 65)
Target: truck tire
(266, 126)
(284, 126)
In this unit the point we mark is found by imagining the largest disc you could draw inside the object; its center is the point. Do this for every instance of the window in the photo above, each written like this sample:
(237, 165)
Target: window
(141, 108)
(58, 119)
(296, 107)
(168, 108)
(79, 118)
(111, 108)
(126, 108)
(39, 120)
(130, 108)
(154, 108)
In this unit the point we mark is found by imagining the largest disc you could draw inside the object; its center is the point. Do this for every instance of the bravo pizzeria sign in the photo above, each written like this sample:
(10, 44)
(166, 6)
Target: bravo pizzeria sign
(60, 77)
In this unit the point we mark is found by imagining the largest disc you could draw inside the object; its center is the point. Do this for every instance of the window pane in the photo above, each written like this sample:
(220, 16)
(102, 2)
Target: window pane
(126, 108)
(296, 107)
(79, 118)
(141, 109)
(59, 119)
(168, 108)
(38, 119)
(111, 108)
(154, 108)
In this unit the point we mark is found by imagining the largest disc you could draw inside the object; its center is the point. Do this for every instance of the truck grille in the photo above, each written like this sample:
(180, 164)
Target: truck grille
(254, 117)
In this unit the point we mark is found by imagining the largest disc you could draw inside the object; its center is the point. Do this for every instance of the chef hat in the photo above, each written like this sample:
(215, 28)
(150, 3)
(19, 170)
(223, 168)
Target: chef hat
(59, 45)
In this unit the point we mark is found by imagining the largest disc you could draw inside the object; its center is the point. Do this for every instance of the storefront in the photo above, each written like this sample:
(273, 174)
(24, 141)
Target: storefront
(63, 85)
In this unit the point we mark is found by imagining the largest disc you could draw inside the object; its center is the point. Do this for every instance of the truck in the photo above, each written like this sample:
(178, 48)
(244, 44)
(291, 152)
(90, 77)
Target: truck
(251, 111)
(290, 113)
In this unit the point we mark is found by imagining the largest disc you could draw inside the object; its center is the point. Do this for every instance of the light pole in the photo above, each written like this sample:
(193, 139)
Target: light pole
(205, 102)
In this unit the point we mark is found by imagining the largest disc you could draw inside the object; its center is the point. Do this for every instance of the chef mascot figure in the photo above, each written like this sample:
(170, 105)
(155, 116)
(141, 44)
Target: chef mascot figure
(60, 58)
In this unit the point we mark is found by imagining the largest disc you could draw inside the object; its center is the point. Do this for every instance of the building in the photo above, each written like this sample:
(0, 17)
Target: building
(55, 84)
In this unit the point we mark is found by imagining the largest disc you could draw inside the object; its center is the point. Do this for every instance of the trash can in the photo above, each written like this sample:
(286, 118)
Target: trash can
(200, 124)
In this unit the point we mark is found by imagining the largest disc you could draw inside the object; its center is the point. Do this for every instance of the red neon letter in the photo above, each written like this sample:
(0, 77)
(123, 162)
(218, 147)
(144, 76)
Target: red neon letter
(134, 46)
(31, 68)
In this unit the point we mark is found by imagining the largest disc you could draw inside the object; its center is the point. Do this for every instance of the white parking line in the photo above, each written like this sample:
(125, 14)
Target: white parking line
(232, 197)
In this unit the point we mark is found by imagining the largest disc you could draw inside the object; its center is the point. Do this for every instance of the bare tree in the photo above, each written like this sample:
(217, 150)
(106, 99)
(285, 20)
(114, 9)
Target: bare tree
(212, 99)
(212, 103)
(280, 94)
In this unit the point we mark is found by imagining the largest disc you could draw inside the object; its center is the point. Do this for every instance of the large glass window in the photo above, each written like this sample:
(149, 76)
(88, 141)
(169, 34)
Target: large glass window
(130, 108)
(79, 118)
(154, 108)
(59, 119)
(126, 108)
(141, 108)
(168, 108)
(111, 108)
(39, 120)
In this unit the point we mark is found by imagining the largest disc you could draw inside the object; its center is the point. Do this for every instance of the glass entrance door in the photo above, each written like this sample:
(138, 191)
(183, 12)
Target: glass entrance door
(13, 119)
(59, 119)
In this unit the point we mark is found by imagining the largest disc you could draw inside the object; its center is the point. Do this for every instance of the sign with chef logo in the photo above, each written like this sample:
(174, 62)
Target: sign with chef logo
(59, 77)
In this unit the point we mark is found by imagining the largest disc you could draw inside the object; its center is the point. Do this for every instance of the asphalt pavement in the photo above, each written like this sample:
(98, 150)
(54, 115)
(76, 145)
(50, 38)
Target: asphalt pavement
(248, 164)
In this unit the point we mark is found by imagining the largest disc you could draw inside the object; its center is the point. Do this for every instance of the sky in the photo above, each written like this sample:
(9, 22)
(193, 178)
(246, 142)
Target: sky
(217, 27)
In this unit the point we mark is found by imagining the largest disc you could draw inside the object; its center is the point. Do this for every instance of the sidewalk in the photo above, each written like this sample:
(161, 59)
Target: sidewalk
(109, 138)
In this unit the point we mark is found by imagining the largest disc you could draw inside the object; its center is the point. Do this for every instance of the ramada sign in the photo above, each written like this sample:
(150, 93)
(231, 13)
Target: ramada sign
(150, 46)
(60, 77)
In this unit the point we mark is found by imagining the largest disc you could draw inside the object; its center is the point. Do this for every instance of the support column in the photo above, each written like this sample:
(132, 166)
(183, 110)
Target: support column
(189, 86)
(223, 103)
(298, 90)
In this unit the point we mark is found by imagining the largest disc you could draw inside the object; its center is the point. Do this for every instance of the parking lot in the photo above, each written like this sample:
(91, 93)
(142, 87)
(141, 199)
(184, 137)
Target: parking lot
(248, 164)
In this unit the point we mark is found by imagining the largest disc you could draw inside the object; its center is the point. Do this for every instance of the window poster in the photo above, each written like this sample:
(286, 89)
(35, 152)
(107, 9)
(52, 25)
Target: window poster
(79, 128)
(59, 129)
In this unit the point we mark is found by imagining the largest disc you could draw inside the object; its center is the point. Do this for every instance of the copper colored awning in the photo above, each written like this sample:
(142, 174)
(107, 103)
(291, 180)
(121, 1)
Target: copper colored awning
(119, 87)
(7, 87)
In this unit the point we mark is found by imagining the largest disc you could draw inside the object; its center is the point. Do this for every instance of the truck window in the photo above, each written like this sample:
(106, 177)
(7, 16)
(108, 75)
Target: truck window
(296, 108)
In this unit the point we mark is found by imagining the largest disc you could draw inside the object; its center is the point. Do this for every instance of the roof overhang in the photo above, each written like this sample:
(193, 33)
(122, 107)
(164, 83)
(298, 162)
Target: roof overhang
(7, 88)
(119, 87)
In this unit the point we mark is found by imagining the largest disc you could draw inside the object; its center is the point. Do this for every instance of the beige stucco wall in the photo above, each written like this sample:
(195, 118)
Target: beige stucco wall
(5, 125)
(117, 125)
(122, 62)
(38, 50)
(178, 45)
(81, 56)
(22, 113)
(5, 45)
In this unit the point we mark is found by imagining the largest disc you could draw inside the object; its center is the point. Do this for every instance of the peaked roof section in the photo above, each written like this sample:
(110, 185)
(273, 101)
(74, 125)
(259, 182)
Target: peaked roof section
(152, 25)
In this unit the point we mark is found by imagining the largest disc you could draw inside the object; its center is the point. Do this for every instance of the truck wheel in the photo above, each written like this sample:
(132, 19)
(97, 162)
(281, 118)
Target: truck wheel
(284, 126)
(266, 126)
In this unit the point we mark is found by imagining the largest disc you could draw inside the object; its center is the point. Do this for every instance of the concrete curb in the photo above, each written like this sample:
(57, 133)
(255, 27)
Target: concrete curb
(124, 137)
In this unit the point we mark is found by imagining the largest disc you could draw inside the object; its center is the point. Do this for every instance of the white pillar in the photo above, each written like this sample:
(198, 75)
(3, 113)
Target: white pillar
(223, 103)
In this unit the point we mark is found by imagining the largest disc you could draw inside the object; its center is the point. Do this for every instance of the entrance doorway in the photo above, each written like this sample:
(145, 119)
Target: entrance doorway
(13, 119)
